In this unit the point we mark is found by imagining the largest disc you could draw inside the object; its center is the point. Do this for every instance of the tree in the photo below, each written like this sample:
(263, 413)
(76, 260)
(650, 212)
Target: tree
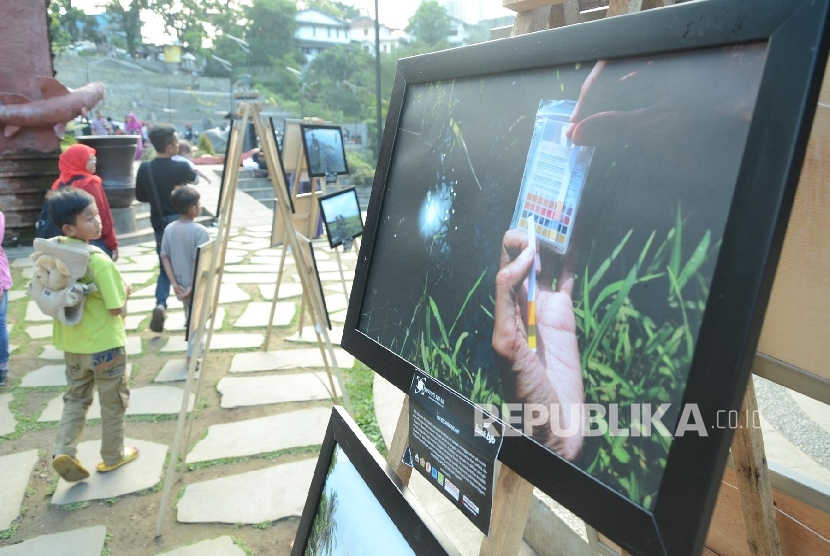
(337, 10)
(69, 24)
(430, 24)
(270, 32)
(327, 74)
(186, 19)
(127, 13)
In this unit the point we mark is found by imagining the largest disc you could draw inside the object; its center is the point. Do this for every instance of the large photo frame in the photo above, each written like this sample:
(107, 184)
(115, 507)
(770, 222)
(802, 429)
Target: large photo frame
(325, 152)
(377, 511)
(341, 215)
(680, 138)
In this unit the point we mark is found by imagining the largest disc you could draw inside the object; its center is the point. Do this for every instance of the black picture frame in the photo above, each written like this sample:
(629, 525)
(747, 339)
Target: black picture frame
(414, 524)
(281, 164)
(768, 171)
(307, 246)
(312, 155)
(330, 217)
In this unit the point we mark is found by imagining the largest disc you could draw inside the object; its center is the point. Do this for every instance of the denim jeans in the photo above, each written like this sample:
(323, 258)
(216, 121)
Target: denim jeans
(4, 333)
(163, 284)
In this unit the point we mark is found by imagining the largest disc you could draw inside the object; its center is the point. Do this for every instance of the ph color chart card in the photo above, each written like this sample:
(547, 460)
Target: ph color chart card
(553, 178)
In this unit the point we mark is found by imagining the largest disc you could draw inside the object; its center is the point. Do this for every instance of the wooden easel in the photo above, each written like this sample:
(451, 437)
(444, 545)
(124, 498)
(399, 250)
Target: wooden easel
(512, 494)
(247, 113)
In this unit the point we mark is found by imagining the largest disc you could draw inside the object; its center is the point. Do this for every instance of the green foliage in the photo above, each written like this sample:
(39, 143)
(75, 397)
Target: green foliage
(628, 357)
(186, 19)
(337, 10)
(327, 88)
(359, 382)
(11, 531)
(270, 32)
(75, 506)
(322, 539)
(127, 15)
(430, 24)
(361, 166)
(204, 146)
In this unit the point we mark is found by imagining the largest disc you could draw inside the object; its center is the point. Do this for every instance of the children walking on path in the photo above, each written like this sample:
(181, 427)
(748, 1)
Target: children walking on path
(178, 248)
(94, 348)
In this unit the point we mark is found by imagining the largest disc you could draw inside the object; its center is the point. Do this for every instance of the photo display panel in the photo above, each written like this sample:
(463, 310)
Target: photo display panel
(324, 150)
(341, 213)
(585, 248)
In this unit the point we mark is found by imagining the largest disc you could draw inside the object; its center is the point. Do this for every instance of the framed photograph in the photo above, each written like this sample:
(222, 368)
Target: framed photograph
(307, 251)
(584, 224)
(224, 169)
(201, 275)
(357, 505)
(324, 150)
(341, 214)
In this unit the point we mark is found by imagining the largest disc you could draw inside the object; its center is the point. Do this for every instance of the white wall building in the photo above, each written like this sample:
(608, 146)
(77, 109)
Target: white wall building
(363, 32)
(317, 31)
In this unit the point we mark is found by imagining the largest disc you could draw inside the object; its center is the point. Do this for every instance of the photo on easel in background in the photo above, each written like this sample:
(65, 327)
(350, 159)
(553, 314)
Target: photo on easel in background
(341, 215)
(357, 505)
(324, 150)
(307, 252)
(533, 243)
(201, 277)
(281, 162)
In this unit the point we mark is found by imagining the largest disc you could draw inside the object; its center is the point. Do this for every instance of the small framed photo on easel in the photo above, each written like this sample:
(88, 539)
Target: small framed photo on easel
(341, 214)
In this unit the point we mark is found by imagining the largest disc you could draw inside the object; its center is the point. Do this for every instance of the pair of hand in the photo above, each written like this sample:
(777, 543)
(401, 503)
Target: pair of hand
(182, 293)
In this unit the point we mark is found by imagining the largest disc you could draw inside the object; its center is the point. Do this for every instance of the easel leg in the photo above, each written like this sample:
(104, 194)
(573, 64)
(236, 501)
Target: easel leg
(752, 476)
(342, 276)
(276, 297)
(400, 440)
(511, 504)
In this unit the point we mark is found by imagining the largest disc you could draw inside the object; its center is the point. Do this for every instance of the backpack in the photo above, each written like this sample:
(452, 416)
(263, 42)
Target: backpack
(44, 227)
(55, 286)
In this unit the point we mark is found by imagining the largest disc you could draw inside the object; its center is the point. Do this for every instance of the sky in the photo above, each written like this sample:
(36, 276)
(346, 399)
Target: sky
(393, 13)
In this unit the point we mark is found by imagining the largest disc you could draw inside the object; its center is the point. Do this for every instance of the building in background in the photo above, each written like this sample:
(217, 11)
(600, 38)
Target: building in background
(317, 31)
(362, 31)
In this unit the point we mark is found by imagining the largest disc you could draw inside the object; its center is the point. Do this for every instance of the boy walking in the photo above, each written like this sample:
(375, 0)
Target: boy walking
(178, 247)
(154, 183)
(94, 348)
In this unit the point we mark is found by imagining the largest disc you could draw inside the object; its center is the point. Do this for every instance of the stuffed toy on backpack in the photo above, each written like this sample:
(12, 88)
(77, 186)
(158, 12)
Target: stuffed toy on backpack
(58, 267)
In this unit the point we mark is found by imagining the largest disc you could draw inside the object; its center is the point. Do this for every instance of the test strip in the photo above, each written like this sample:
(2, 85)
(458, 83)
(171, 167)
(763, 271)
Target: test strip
(531, 286)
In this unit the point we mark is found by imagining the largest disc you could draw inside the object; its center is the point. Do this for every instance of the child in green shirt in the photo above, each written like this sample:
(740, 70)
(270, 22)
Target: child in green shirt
(93, 349)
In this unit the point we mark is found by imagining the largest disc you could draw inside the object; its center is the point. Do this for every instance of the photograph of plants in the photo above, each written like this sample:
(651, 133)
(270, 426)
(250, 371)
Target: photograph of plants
(349, 519)
(617, 316)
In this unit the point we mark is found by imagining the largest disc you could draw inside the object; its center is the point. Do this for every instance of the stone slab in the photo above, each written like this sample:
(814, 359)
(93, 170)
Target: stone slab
(262, 390)
(51, 375)
(27, 273)
(287, 290)
(250, 238)
(80, 542)
(234, 259)
(286, 359)
(133, 322)
(231, 293)
(253, 268)
(141, 474)
(174, 370)
(260, 228)
(259, 234)
(271, 260)
(218, 341)
(262, 435)
(817, 411)
(272, 252)
(133, 347)
(20, 262)
(338, 288)
(34, 314)
(138, 267)
(146, 291)
(348, 275)
(7, 421)
(242, 278)
(235, 253)
(149, 400)
(257, 312)
(176, 321)
(146, 258)
(254, 497)
(335, 303)
(17, 468)
(14, 295)
(339, 317)
(145, 305)
(39, 331)
(221, 546)
(137, 277)
(309, 337)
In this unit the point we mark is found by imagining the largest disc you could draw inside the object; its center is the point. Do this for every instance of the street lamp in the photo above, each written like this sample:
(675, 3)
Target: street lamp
(246, 48)
(299, 75)
(229, 67)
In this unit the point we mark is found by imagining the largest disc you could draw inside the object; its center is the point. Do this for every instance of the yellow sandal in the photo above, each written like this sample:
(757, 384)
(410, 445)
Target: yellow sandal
(69, 468)
(130, 453)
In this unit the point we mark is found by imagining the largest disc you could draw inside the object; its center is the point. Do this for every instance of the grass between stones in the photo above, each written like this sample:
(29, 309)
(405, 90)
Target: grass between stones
(359, 381)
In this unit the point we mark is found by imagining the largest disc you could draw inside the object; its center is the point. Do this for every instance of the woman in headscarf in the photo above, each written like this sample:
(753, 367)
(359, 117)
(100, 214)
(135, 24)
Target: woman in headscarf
(77, 165)
(133, 126)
